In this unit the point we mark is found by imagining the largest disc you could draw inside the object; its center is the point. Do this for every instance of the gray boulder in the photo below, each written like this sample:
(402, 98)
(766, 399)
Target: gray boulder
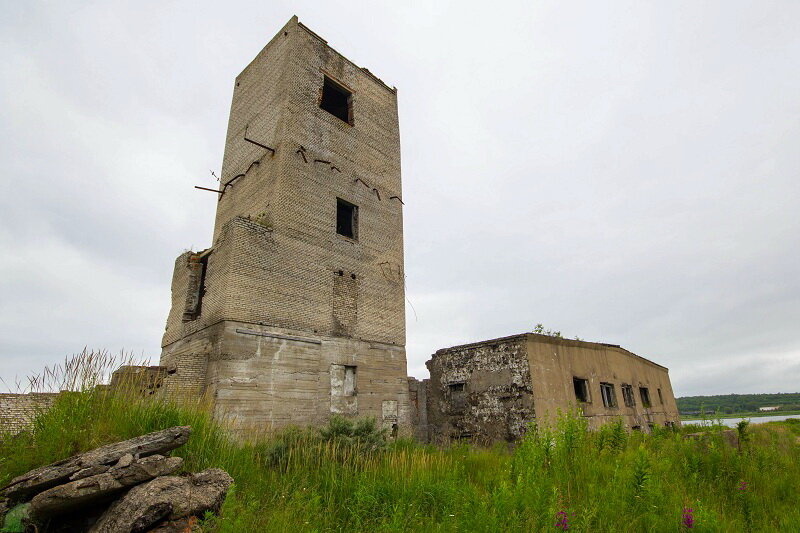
(40, 479)
(164, 500)
(89, 490)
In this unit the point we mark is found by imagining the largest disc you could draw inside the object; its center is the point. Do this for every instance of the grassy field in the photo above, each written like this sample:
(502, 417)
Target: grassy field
(307, 480)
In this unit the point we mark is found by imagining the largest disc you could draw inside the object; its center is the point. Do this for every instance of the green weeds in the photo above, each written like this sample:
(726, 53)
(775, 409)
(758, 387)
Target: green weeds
(348, 477)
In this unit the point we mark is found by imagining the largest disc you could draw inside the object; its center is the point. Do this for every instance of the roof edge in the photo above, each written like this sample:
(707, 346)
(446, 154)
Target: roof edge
(552, 340)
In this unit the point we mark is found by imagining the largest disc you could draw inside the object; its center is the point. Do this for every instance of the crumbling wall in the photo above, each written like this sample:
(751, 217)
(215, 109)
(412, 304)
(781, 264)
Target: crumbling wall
(17, 411)
(480, 392)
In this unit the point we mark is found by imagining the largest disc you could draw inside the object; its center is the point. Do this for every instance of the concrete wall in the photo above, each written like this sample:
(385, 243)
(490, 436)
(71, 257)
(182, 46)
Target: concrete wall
(493, 390)
(554, 362)
(481, 391)
(277, 264)
(17, 411)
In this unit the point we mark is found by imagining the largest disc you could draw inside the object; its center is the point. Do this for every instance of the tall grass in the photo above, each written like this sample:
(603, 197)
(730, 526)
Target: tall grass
(567, 476)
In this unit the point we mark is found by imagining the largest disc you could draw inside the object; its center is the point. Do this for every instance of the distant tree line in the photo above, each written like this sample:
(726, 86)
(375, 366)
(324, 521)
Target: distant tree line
(738, 403)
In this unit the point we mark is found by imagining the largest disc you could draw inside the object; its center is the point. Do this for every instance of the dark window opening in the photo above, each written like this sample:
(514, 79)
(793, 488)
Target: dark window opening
(456, 387)
(627, 396)
(607, 392)
(346, 219)
(581, 389)
(458, 397)
(336, 100)
(660, 397)
(645, 395)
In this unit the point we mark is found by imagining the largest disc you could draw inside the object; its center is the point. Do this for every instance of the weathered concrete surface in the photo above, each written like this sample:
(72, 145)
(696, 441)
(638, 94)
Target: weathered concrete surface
(90, 490)
(493, 390)
(265, 320)
(165, 499)
(480, 391)
(57, 473)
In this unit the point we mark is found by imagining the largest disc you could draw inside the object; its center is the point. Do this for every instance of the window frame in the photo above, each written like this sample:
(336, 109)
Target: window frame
(586, 390)
(353, 218)
(628, 397)
(610, 399)
(331, 84)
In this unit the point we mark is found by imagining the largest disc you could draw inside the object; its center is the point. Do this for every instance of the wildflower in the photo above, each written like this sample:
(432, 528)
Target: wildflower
(688, 519)
(743, 486)
(562, 523)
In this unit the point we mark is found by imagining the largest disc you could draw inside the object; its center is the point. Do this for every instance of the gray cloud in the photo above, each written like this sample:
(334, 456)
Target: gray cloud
(623, 172)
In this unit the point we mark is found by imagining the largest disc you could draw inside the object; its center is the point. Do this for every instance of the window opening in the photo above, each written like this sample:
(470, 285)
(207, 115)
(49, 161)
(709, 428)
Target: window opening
(346, 219)
(202, 285)
(645, 394)
(456, 387)
(336, 100)
(581, 387)
(458, 397)
(660, 397)
(627, 396)
(607, 392)
(349, 388)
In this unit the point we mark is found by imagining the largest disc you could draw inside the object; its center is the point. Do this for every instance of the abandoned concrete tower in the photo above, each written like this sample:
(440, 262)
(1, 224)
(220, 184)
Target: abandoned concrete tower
(297, 310)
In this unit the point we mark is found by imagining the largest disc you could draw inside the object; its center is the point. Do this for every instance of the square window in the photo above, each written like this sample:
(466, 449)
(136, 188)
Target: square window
(609, 397)
(337, 100)
(581, 387)
(346, 219)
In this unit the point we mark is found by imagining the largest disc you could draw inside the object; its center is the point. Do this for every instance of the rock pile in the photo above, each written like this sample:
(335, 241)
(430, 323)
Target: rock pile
(123, 487)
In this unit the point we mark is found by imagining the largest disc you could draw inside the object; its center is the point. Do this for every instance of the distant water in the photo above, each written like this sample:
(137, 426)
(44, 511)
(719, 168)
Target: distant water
(731, 422)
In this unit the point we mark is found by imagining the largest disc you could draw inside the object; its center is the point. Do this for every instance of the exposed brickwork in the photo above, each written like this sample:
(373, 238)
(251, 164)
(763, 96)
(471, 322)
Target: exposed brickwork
(274, 267)
(17, 411)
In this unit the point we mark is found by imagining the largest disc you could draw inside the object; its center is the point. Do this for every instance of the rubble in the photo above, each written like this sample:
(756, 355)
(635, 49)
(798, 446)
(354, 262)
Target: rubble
(122, 487)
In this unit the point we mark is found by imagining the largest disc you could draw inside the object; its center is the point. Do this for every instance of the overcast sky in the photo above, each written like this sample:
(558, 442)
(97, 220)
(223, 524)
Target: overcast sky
(627, 172)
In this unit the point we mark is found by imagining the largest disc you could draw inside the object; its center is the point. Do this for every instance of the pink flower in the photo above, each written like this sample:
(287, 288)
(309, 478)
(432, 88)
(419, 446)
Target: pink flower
(562, 523)
(688, 519)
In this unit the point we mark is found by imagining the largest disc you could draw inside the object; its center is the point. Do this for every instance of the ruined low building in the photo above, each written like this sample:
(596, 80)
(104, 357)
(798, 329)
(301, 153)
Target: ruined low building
(493, 390)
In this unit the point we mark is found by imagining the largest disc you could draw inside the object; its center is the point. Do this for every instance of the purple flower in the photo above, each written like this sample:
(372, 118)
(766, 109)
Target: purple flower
(743, 486)
(562, 523)
(688, 519)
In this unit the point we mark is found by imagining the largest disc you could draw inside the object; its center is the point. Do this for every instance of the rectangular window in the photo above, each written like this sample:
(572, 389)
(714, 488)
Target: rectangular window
(337, 100)
(627, 395)
(346, 219)
(645, 395)
(456, 387)
(607, 392)
(458, 397)
(581, 387)
(349, 387)
(660, 397)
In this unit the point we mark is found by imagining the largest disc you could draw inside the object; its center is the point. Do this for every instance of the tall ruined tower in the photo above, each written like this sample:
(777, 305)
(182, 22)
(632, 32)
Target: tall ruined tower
(297, 309)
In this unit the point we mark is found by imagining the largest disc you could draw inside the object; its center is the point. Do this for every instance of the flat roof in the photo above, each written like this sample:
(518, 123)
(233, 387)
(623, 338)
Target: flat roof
(550, 340)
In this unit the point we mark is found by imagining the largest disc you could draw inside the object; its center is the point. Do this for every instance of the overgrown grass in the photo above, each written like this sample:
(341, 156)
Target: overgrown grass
(305, 480)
